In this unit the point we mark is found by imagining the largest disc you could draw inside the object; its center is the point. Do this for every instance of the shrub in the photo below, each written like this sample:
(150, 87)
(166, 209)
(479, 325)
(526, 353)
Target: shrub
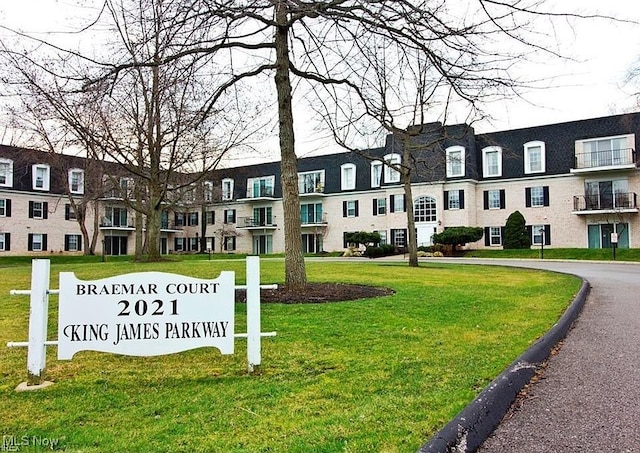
(515, 232)
(455, 236)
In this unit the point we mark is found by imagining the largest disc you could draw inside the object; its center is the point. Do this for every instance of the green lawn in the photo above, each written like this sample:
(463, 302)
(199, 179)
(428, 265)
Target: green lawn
(380, 374)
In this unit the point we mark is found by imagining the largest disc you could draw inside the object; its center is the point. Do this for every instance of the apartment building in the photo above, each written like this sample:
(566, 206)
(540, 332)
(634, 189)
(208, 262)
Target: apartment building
(575, 183)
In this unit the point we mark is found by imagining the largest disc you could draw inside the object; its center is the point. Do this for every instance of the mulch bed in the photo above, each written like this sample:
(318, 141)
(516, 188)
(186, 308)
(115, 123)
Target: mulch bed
(316, 293)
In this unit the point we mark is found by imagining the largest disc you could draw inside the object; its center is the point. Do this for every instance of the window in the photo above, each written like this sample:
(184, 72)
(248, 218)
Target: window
(311, 182)
(346, 235)
(179, 244)
(6, 172)
(69, 212)
(379, 206)
(347, 177)
(115, 217)
(604, 152)
(189, 194)
(229, 216)
(455, 161)
(311, 213)
(534, 157)
(493, 236)
(5, 207)
(495, 233)
(260, 187)
(312, 243)
(180, 219)
(399, 237)
(5, 242)
(72, 243)
(350, 208)
(537, 234)
(376, 173)
(424, 209)
(227, 189)
(599, 235)
(126, 188)
(262, 216)
(494, 199)
(229, 243)
(40, 175)
(391, 175)
(37, 242)
(76, 181)
(383, 237)
(192, 219)
(612, 194)
(537, 196)
(38, 210)
(397, 203)
(207, 189)
(492, 161)
(454, 199)
(193, 244)
(210, 217)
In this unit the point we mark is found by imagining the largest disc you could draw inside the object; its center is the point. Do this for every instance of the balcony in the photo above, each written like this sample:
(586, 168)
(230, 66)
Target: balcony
(256, 223)
(605, 203)
(259, 194)
(307, 190)
(617, 159)
(167, 226)
(115, 224)
(314, 220)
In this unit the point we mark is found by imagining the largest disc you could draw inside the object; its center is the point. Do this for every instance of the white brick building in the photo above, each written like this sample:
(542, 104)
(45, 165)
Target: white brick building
(575, 183)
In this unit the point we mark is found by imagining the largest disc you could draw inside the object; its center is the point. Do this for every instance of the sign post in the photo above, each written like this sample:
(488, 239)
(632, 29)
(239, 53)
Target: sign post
(38, 318)
(614, 244)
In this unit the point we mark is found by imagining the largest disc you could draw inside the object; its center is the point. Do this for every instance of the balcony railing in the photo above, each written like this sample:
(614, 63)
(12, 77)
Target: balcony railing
(251, 222)
(605, 202)
(262, 192)
(309, 189)
(610, 158)
(314, 220)
(166, 225)
(106, 222)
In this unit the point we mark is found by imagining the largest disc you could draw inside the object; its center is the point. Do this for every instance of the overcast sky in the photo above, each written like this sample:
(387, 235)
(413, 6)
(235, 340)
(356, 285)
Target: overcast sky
(591, 86)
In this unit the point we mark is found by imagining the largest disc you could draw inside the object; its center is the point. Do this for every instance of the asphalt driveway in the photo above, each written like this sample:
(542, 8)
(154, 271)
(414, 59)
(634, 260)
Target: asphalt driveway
(589, 397)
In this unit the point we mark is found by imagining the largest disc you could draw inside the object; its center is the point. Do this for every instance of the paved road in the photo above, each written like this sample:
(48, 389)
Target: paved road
(589, 398)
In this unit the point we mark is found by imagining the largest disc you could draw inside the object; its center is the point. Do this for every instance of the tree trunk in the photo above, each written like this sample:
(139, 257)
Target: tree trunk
(138, 226)
(412, 242)
(154, 221)
(295, 273)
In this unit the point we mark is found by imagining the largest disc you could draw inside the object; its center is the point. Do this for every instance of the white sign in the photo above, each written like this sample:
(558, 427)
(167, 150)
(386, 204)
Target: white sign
(614, 238)
(145, 314)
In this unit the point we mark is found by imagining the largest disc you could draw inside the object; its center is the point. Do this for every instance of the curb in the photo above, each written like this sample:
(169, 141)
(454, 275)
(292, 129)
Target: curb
(473, 425)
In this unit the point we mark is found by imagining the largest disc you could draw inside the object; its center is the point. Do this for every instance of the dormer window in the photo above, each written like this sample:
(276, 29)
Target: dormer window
(6, 172)
(376, 173)
(534, 157)
(227, 189)
(348, 177)
(76, 181)
(41, 176)
(492, 161)
(391, 175)
(455, 161)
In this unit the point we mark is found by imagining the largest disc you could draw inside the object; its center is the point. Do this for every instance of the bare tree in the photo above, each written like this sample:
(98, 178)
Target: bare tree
(158, 120)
